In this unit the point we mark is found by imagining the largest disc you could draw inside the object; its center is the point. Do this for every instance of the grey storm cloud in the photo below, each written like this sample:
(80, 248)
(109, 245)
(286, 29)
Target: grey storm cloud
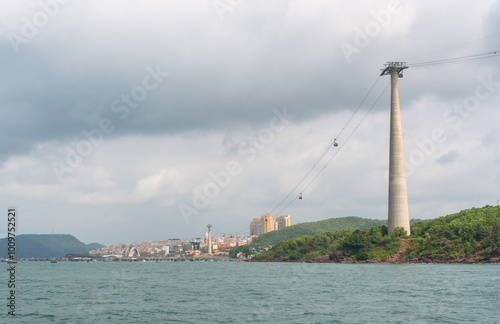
(220, 75)
(64, 82)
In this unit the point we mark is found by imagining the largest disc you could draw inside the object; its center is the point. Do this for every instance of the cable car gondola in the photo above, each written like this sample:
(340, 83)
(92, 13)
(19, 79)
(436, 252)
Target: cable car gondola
(335, 142)
(300, 196)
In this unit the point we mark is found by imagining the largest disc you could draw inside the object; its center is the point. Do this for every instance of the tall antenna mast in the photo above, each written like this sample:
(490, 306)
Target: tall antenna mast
(209, 240)
(398, 214)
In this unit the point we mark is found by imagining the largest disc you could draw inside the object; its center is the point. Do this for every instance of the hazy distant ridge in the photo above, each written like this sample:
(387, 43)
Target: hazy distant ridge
(46, 246)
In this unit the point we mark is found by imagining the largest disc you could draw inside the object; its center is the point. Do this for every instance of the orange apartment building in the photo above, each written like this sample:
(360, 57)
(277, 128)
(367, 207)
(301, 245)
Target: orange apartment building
(266, 224)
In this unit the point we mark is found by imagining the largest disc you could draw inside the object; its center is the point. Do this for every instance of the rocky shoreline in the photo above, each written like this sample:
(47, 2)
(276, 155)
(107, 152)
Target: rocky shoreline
(420, 260)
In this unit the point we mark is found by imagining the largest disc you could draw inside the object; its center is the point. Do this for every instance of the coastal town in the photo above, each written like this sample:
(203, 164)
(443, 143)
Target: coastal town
(192, 248)
(172, 248)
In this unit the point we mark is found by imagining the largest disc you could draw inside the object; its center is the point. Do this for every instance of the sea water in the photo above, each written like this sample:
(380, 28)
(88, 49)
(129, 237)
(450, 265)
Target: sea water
(238, 292)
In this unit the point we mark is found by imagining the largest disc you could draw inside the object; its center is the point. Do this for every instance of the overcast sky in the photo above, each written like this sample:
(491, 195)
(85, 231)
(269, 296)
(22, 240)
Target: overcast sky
(129, 120)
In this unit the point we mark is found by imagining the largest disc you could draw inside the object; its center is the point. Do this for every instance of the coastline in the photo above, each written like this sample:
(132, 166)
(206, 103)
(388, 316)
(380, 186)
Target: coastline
(351, 261)
(396, 258)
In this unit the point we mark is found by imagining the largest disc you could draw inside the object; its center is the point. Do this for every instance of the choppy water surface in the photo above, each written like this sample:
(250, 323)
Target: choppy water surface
(232, 292)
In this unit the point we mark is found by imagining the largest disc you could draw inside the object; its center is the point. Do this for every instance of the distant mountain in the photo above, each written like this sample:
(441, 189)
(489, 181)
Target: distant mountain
(313, 228)
(94, 246)
(46, 246)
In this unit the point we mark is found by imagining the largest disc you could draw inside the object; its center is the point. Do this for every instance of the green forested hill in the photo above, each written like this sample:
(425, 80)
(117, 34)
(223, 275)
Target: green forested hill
(46, 246)
(313, 228)
(471, 235)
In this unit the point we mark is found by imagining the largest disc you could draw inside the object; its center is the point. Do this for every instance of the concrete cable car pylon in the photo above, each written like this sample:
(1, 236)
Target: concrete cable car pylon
(398, 214)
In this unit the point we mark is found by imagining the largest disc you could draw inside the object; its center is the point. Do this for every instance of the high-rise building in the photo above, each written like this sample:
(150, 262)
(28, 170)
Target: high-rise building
(256, 226)
(267, 224)
(283, 221)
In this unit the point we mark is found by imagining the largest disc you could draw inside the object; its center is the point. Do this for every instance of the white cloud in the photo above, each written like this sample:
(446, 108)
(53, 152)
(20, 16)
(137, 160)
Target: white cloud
(164, 184)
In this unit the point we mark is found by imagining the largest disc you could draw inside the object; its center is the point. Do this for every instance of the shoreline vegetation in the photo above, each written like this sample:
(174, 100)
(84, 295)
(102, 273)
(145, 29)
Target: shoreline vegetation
(313, 228)
(468, 237)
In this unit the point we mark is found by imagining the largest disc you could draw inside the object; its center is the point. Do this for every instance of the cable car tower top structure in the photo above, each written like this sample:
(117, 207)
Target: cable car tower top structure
(397, 67)
(398, 214)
